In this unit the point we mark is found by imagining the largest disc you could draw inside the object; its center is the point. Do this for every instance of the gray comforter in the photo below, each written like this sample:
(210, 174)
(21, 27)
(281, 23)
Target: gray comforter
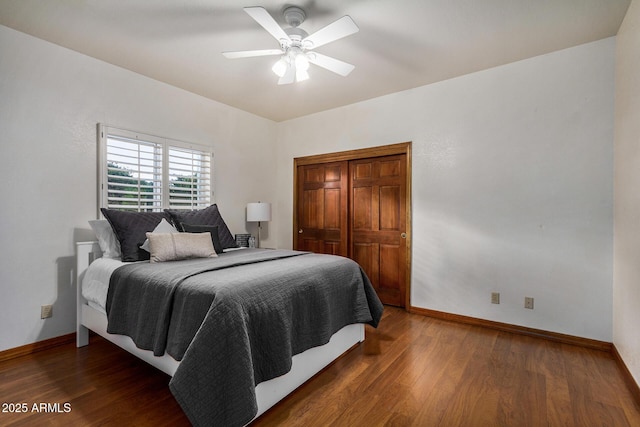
(236, 320)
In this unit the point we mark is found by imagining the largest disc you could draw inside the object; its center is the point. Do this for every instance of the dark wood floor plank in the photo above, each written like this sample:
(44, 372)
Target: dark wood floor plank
(412, 371)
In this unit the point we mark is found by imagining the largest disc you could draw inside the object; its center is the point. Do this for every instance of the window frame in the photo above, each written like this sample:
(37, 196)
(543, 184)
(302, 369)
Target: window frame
(165, 145)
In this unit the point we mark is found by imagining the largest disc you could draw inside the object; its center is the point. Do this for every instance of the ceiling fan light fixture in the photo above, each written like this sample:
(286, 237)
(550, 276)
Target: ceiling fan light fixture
(280, 67)
(302, 62)
(296, 44)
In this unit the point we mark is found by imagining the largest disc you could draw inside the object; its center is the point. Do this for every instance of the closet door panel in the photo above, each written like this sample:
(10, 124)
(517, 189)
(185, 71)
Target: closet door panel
(322, 208)
(357, 204)
(377, 214)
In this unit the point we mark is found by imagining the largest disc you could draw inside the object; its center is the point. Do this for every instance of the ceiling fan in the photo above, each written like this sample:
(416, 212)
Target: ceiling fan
(296, 46)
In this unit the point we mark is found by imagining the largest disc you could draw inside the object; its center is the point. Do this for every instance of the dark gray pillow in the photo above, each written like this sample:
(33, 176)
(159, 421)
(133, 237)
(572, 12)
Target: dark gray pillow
(206, 216)
(131, 228)
(213, 229)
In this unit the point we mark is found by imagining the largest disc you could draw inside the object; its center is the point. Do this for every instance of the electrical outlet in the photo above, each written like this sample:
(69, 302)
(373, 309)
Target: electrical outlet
(528, 303)
(495, 297)
(46, 311)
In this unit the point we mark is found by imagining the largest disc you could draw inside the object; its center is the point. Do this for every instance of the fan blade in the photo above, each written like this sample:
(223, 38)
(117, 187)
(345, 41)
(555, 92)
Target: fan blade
(336, 30)
(262, 17)
(331, 64)
(289, 76)
(252, 53)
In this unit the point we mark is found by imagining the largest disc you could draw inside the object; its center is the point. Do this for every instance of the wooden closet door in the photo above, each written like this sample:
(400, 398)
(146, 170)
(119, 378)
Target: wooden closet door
(322, 208)
(378, 223)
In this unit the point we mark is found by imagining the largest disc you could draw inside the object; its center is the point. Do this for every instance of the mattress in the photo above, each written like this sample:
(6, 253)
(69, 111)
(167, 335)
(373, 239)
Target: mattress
(95, 284)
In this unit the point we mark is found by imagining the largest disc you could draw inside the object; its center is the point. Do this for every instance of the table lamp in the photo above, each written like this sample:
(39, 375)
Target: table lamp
(258, 212)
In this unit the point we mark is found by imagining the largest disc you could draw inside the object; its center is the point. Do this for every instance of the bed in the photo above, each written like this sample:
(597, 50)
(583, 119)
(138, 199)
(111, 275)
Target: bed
(232, 367)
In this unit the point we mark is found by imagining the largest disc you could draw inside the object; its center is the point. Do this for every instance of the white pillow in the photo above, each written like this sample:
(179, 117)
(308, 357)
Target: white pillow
(177, 246)
(163, 227)
(107, 239)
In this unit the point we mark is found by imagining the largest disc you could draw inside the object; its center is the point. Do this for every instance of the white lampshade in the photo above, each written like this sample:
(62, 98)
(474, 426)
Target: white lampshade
(302, 62)
(280, 67)
(257, 212)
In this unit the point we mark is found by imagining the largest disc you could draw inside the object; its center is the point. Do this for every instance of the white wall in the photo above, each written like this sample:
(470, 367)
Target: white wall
(512, 186)
(52, 99)
(626, 260)
(512, 178)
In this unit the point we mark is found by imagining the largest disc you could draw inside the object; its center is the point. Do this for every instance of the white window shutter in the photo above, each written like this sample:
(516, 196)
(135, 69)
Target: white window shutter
(189, 173)
(140, 172)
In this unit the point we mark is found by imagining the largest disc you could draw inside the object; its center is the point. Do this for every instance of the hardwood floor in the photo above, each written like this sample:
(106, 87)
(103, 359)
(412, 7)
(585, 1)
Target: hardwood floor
(413, 370)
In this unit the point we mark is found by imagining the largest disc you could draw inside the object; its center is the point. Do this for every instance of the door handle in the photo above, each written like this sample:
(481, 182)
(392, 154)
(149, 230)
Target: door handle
(403, 235)
(300, 231)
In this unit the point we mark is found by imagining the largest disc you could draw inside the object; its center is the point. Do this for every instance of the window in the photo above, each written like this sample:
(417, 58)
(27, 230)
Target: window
(146, 173)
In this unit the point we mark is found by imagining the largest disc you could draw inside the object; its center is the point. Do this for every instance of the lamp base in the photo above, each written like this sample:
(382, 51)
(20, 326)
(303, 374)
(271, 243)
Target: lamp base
(258, 241)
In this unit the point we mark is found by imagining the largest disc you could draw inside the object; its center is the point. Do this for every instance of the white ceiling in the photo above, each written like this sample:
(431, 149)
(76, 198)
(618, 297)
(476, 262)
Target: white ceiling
(401, 44)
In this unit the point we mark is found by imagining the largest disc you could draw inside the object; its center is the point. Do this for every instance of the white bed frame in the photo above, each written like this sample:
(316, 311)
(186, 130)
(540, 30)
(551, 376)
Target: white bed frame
(268, 393)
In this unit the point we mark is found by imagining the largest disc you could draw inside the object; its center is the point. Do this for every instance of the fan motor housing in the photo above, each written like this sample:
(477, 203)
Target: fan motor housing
(296, 34)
